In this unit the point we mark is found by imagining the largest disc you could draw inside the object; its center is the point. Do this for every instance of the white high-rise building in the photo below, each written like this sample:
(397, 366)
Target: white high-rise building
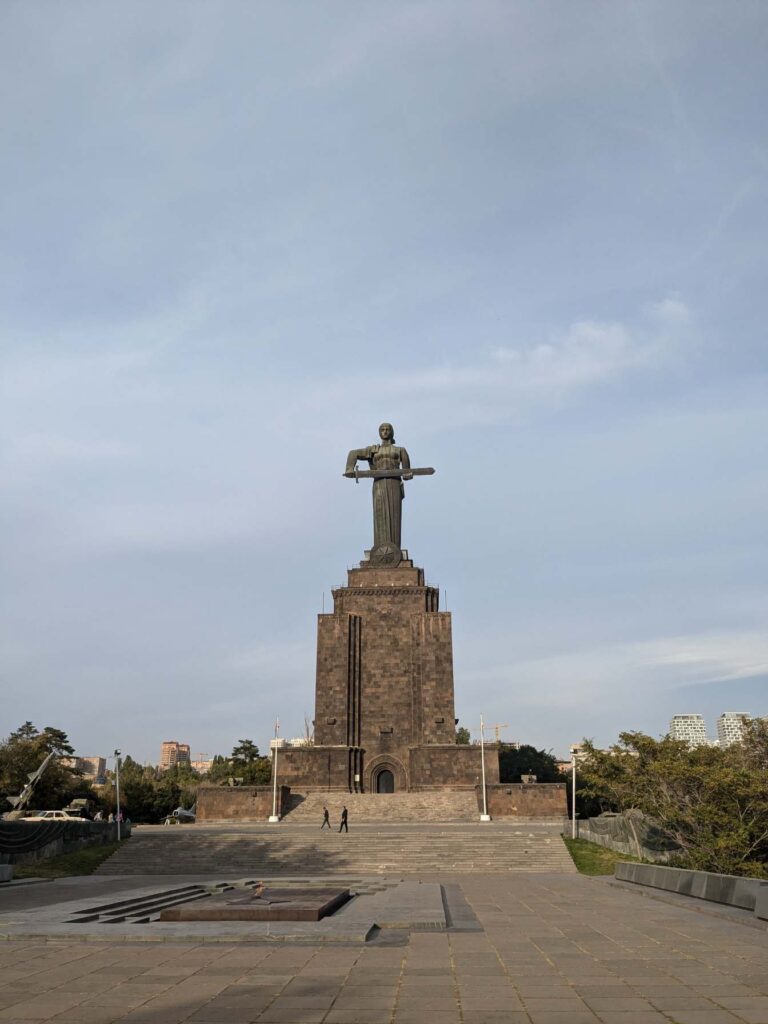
(690, 728)
(730, 727)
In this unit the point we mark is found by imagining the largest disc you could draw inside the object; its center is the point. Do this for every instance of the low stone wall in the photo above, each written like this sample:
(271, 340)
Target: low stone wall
(732, 890)
(619, 840)
(27, 842)
(247, 803)
(524, 800)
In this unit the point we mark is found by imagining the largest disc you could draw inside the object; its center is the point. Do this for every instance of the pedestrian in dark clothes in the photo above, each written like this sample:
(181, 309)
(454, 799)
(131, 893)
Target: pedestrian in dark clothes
(326, 819)
(343, 825)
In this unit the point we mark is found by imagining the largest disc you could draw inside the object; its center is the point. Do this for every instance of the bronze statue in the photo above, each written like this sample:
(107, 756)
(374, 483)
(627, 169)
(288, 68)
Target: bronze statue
(389, 464)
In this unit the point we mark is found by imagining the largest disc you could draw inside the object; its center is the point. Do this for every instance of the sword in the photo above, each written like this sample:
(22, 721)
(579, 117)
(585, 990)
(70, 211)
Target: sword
(358, 474)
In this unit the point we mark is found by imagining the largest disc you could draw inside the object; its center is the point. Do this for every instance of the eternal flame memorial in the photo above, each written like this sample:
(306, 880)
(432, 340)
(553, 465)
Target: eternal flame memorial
(384, 695)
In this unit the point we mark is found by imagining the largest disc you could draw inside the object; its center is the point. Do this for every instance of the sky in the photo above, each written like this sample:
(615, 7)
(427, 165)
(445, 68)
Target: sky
(236, 237)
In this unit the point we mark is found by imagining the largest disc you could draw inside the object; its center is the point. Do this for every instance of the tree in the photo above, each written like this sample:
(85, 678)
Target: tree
(258, 773)
(245, 752)
(309, 730)
(712, 802)
(56, 741)
(24, 751)
(27, 731)
(221, 769)
(245, 764)
(249, 766)
(527, 760)
(462, 735)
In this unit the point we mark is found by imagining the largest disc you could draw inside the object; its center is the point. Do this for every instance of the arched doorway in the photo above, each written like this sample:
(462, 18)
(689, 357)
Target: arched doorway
(385, 773)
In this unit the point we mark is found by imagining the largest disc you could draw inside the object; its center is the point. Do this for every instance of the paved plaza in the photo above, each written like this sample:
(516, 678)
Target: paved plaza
(553, 949)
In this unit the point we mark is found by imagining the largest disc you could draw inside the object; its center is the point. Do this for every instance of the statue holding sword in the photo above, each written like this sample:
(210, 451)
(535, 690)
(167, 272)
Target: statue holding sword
(389, 466)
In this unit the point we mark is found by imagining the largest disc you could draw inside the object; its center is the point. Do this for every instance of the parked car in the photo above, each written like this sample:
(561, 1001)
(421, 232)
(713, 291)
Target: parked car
(53, 816)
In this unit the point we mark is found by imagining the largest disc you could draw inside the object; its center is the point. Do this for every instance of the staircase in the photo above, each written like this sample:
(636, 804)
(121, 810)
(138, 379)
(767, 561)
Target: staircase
(432, 806)
(302, 850)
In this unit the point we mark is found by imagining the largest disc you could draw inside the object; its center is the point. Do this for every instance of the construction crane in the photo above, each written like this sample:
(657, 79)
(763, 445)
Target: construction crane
(497, 727)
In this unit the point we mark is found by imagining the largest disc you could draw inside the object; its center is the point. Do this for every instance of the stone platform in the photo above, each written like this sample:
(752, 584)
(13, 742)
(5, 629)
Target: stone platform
(156, 913)
(275, 903)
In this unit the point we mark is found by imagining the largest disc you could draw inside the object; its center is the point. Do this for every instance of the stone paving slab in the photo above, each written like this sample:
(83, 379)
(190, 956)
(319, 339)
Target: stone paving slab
(555, 949)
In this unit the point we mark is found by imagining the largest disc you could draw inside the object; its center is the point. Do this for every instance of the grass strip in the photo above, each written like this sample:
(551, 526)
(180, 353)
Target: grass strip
(80, 862)
(592, 859)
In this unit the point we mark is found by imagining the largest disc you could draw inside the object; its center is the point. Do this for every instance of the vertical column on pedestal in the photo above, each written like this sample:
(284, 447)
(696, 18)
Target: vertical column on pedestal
(354, 699)
(417, 673)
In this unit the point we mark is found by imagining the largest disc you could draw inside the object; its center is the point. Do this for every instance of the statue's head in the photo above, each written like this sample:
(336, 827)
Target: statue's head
(387, 432)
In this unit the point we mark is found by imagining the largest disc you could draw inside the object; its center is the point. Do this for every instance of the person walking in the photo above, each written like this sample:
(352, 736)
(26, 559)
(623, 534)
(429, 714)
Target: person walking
(326, 819)
(344, 815)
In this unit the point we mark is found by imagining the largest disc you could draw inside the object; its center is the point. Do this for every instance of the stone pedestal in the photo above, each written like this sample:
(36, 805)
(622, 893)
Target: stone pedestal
(384, 700)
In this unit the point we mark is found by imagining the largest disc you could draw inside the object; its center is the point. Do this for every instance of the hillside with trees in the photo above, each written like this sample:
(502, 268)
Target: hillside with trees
(147, 793)
(710, 801)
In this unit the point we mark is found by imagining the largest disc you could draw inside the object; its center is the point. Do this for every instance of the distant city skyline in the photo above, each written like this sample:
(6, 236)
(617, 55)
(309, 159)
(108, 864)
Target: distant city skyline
(692, 727)
(688, 726)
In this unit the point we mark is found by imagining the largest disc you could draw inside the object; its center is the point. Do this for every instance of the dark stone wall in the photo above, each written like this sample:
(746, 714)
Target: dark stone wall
(233, 802)
(519, 800)
(311, 768)
(456, 766)
(450, 765)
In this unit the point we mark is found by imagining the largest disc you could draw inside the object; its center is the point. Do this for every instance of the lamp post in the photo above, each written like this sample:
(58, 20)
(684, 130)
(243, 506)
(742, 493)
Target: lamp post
(274, 817)
(573, 792)
(117, 792)
(485, 816)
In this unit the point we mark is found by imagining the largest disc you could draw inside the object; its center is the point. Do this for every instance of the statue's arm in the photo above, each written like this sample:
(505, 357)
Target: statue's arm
(354, 455)
(405, 462)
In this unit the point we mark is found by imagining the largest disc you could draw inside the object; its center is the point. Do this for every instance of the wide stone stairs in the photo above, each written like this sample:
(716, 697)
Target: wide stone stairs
(303, 850)
(433, 806)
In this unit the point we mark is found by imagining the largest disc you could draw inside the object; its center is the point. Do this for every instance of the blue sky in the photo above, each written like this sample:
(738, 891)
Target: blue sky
(237, 237)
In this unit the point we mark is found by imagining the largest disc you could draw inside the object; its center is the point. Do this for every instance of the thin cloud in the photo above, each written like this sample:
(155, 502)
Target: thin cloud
(510, 380)
(621, 671)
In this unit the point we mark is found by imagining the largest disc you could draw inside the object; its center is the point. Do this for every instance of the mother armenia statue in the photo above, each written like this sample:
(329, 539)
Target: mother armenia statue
(389, 465)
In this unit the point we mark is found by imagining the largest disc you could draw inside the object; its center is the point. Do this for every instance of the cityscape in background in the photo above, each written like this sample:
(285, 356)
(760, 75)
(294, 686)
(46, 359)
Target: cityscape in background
(691, 728)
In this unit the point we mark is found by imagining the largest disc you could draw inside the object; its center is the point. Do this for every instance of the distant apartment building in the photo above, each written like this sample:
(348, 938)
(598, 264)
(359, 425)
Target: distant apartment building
(578, 754)
(173, 753)
(92, 768)
(278, 742)
(689, 728)
(731, 727)
(202, 766)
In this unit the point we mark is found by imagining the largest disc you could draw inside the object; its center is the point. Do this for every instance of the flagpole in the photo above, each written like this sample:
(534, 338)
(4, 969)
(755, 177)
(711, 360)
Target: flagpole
(485, 816)
(275, 817)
